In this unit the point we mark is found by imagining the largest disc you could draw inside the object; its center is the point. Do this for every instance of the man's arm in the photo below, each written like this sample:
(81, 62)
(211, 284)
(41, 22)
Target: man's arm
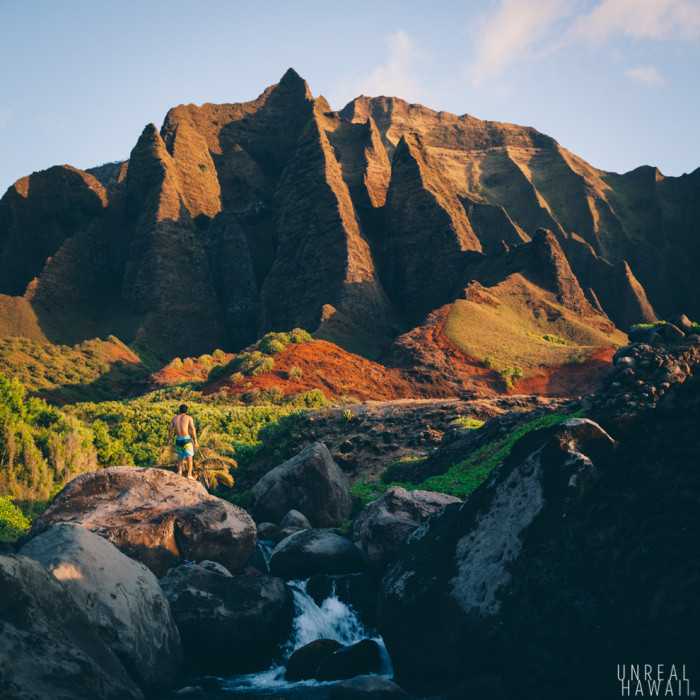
(194, 431)
(170, 432)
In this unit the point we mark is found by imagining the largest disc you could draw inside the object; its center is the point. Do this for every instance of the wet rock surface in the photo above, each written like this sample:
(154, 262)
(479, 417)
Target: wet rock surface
(315, 551)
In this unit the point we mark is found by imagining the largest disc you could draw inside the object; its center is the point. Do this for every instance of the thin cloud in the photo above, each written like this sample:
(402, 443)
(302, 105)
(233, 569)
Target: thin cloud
(648, 75)
(640, 19)
(510, 35)
(5, 116)
(400, 74)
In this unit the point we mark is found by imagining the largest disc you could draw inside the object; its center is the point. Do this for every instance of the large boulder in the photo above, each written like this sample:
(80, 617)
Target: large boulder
(155, 517)
(121, 598)
(309, 552)
(303, 663)
(354, 660)
(445, 599)
(228, 623)
(310, 482)
(48, 649)
(383, 525)
(368, 688)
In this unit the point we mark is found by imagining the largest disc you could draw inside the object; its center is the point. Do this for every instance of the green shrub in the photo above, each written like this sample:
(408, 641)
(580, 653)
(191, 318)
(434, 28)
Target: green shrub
(215, 372)
(205, 360)
(294, 374)
(299, 335)
(553, 339)
(266, 365)
(467, 423)
(12, 521)
(273, 395)
(219, 355)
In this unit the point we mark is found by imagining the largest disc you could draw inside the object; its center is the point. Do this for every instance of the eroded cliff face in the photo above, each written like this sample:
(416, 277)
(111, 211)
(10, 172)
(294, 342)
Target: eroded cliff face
(240, 218)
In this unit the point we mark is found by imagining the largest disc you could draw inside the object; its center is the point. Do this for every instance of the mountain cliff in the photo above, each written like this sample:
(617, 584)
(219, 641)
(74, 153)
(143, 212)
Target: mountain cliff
(235, 219)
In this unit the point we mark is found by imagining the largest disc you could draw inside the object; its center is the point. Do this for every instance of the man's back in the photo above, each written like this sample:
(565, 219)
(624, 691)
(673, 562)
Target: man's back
(181, 423)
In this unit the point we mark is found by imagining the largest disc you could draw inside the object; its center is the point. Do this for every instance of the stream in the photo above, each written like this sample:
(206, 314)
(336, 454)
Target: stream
(333, 619)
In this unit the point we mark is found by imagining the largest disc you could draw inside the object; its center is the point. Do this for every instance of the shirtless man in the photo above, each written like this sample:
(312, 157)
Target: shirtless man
(185, 440)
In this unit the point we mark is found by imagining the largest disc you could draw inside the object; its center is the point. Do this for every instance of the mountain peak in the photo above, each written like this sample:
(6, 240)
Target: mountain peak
(292, 82)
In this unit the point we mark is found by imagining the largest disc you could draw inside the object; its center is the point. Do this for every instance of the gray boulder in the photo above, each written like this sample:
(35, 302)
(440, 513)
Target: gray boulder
(295, 519)
(266, 531)
(309, 552)
(228, 623)
(48, 649)
(155, 517)
(383, 525)
(310, 482)
(121, 598)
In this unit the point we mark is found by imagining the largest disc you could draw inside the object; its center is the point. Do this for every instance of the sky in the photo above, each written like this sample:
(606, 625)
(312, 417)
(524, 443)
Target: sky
(617, 82)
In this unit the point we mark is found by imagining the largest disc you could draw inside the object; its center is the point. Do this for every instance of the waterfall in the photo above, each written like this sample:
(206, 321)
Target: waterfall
(333, 619)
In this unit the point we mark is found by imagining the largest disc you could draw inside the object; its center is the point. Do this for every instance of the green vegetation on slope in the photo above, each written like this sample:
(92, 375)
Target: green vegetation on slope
(13, 522)
(465, 476)
(94, 369)
(41, 447)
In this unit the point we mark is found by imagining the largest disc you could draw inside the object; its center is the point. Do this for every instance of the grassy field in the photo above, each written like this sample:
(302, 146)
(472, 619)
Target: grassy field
(525, 332)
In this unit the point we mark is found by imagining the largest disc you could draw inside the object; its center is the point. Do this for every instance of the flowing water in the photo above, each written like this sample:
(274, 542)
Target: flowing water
(333, 619)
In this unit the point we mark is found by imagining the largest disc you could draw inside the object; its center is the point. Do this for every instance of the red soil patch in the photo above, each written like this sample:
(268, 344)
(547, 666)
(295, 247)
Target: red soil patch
(327, 367)
(569, 380)
(429, 351)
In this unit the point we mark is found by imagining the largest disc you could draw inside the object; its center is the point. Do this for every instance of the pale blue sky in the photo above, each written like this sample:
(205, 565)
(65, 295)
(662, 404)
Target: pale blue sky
(615, 81)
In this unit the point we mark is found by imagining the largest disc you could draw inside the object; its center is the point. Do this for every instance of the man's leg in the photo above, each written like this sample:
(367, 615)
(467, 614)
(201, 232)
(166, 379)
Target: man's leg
(180, 465)
(189, 467)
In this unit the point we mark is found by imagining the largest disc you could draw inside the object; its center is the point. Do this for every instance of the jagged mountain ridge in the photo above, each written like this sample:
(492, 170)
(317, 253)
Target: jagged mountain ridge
(236, 219)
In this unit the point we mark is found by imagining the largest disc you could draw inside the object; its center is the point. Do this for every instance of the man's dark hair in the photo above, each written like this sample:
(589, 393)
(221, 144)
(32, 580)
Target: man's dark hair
(183, 408)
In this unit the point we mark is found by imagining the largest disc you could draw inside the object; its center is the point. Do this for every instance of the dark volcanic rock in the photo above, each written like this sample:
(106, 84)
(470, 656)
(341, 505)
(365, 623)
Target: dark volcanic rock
(368, 688)
(383, 525)
(228, 623)
(310, 482)
(442, 598)
(49, 649)
(303, 663)
(612, 581)
(309, 552)
(155, 516)
(355, 660)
